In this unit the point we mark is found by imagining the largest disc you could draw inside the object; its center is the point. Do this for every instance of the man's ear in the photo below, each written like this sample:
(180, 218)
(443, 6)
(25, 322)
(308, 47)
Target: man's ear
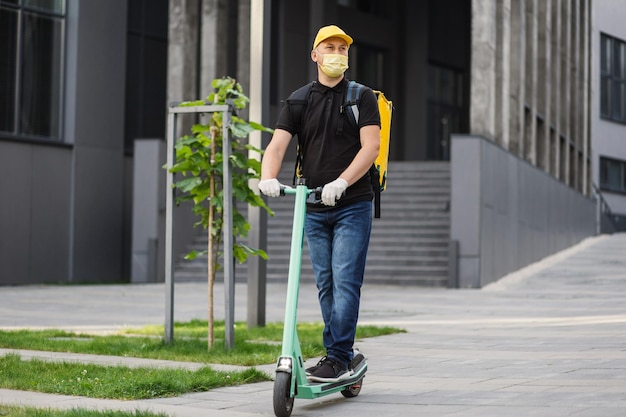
(314, 55)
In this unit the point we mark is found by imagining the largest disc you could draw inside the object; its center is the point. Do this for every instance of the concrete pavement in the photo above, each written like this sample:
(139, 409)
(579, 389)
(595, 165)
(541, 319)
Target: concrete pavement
(549, 340)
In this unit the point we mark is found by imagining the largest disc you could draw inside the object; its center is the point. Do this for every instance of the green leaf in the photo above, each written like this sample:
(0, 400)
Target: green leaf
(194, 254)
(249, 147)
(201, 128)
(258, 126)
(183, 166)
(239, 160)
(192, 103)
(188, 184)
(240, 130)
(255, 165)
(244, 251)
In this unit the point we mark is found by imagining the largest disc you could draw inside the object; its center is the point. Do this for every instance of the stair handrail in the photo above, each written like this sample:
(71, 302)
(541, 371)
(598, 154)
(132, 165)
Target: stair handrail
(605, 208)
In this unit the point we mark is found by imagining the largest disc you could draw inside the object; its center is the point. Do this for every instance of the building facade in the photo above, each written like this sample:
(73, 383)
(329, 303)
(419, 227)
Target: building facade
(511, 76)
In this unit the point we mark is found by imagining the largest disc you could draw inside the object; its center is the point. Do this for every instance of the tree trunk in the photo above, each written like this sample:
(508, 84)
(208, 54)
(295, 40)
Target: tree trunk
(211, 257)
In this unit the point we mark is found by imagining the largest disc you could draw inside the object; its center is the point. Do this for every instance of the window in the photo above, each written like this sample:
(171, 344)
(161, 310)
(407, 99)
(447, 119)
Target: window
(612, 79)
(445, 108)
(31, 65)
(612, 175)
(367, 66)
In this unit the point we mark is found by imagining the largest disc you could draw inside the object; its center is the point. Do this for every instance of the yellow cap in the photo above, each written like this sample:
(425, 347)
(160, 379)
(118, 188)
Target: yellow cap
(331, 31)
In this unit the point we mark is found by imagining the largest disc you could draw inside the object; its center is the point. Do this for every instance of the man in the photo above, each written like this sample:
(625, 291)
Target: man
(337, 155)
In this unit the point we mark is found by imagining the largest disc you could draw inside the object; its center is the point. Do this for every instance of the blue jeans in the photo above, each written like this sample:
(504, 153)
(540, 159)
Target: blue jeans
(338, 240)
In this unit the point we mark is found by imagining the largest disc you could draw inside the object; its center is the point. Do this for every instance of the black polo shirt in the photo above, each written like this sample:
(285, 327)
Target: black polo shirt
(327, 151)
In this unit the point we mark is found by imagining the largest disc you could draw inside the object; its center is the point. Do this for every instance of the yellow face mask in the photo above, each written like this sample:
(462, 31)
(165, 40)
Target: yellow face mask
(334, 65)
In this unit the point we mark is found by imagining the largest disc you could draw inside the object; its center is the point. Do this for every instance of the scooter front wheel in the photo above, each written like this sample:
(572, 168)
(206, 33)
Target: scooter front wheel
(353, 390)
(283, 402)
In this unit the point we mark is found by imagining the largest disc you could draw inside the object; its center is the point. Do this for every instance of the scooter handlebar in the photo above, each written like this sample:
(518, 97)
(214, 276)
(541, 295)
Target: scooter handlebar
(286, 190)
(314, 194)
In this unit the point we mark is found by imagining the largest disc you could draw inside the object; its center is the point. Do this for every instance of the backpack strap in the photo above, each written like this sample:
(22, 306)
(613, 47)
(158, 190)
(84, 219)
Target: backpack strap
(375, 180)
(353, 95)
(350, 106)
(297, 102)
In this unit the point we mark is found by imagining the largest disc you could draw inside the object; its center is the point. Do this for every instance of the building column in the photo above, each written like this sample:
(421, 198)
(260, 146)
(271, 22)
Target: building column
(483, 69)
(566, 37)
(517, 77)
(503, 72)
(530, 114)
(555, 90)
(544, 83)
(215, 41)
(585, 98)
(182, 75)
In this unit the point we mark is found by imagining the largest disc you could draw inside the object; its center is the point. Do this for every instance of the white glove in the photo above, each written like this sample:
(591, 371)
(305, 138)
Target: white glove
(333, 191)
(271, 187)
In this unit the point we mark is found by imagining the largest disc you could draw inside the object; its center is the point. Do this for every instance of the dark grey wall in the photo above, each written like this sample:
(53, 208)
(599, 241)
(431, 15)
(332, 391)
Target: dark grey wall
(507, 214)
(61, 210)
(410, 105)
(98, 137)
(34, 207)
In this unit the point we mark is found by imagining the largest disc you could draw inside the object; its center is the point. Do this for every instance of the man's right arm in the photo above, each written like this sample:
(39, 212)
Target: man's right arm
(272, 161)
(274, 154)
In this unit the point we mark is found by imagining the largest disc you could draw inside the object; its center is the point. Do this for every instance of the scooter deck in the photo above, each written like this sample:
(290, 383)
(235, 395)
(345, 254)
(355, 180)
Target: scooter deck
(310, 389)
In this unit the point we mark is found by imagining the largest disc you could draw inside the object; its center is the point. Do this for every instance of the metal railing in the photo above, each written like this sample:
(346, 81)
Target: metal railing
(229, 275)
(607, 221)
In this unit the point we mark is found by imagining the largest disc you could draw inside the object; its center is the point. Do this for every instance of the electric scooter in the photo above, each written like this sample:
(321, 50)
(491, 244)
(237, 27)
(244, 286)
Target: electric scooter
(291, 381)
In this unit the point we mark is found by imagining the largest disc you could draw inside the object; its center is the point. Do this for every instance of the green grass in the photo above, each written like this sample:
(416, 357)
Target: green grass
(14, 411)
(114, 382)
(259, 345)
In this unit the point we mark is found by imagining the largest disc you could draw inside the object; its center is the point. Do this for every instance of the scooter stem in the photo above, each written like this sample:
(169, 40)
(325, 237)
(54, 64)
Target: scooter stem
(291, 345)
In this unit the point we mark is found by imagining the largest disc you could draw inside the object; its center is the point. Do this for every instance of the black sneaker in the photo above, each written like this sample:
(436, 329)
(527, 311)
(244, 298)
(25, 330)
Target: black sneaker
(312, 369)
(330, 371)
(358, 358)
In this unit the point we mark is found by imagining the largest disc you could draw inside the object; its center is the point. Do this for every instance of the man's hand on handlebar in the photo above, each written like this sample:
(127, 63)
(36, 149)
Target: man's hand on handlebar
(271, 187)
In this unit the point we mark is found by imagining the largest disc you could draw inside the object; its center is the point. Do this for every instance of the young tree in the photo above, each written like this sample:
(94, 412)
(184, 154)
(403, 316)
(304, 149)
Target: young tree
(199, 159)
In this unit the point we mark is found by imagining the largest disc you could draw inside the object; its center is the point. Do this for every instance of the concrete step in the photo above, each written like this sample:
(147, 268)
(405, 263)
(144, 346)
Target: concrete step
(409, 243)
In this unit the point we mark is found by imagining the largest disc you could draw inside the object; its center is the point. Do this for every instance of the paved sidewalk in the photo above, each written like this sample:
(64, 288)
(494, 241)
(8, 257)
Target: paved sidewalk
(549, 340)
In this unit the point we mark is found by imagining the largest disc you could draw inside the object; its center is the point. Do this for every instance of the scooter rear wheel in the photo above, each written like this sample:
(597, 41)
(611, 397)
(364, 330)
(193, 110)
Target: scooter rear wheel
(283, 403)
(353, 390)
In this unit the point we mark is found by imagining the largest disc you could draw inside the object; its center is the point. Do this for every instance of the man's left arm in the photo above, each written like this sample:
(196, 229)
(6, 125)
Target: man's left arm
(362, 162)
(369, 135)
